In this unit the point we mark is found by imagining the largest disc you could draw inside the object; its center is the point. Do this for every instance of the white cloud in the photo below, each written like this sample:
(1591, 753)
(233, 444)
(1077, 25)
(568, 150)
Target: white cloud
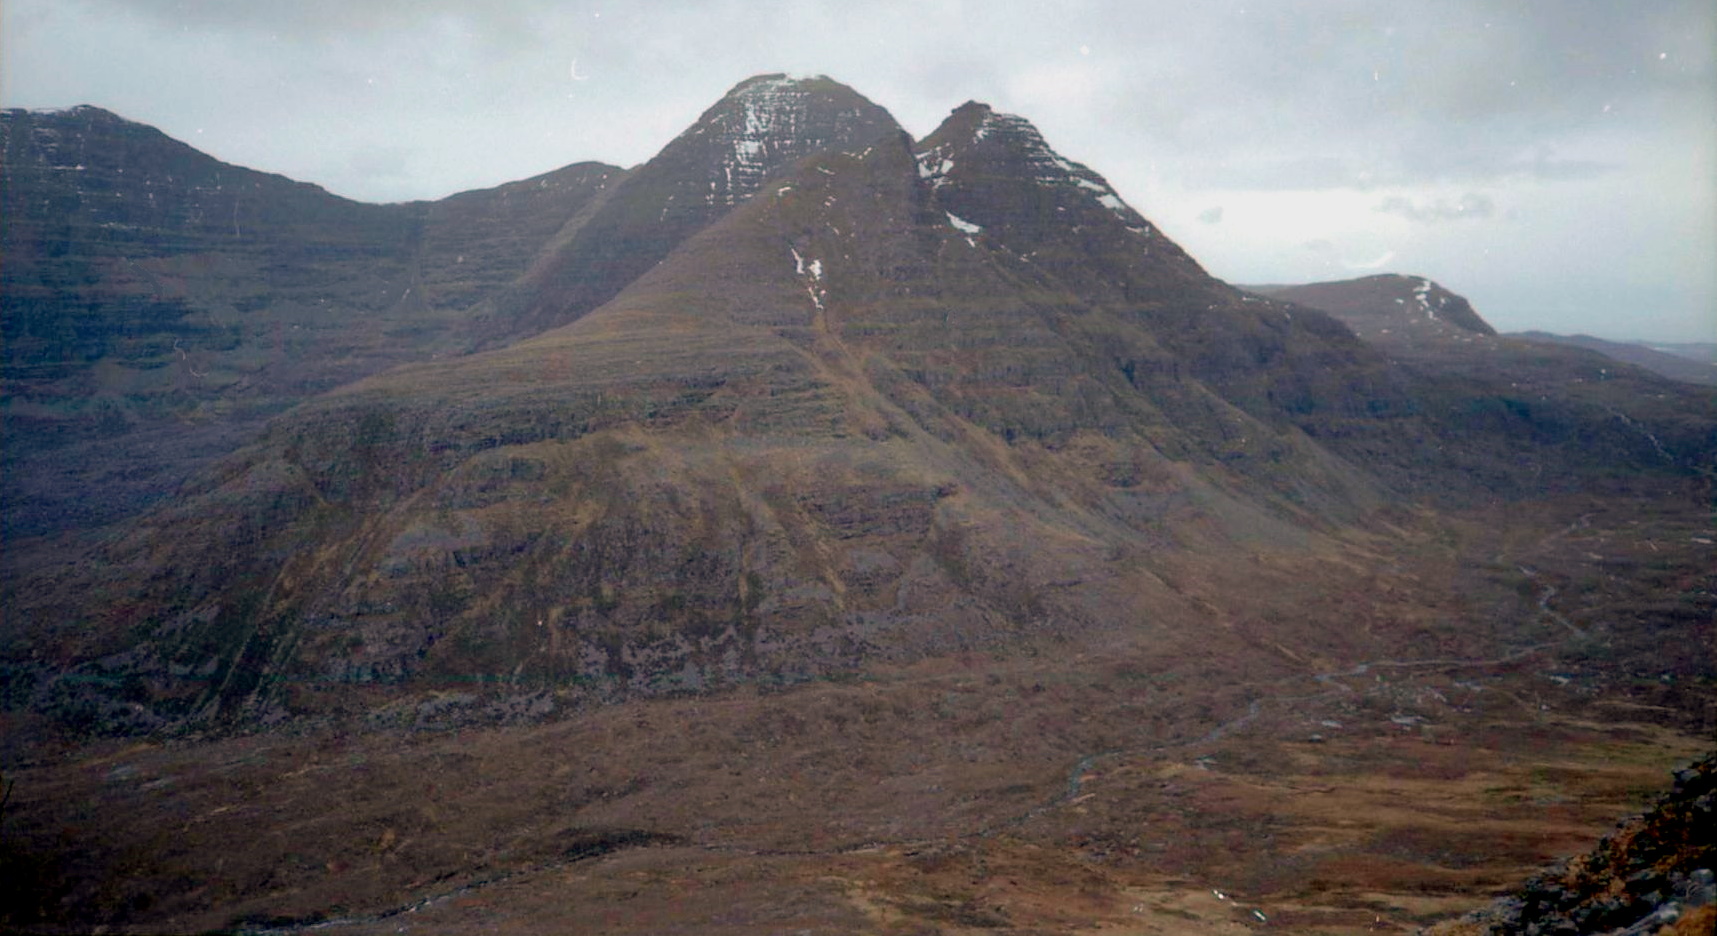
(1469, 207)
(1376, 263)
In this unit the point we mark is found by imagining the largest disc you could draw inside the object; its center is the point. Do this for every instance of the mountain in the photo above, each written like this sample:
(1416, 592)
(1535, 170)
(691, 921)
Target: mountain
(1667, 363)
(1405, 311)
(1702, 351)
(920, 542)
(834, 451)
(159, 304)
(833, 425)
(762, 125)
(1399, 310)
(1586, 416)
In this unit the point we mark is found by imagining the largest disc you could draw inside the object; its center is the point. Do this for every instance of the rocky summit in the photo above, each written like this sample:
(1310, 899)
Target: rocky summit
(910, 527)
(764, 125)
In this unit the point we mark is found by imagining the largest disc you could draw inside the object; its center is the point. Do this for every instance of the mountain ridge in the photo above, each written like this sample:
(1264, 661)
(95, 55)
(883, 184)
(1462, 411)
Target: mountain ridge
(162, 304)
(921, 542)
(861, 381)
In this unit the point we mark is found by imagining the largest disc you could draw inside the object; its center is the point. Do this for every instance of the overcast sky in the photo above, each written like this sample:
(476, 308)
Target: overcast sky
(1553, 160)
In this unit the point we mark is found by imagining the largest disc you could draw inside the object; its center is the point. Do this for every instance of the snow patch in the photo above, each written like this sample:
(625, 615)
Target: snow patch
(961, 224)
(1050, 168)
(1422, 292)
(934, 167)
(812, 271)
(762, 126)
(749, 151)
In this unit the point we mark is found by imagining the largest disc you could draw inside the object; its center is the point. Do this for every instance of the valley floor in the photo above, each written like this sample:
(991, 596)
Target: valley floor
(1563, 662)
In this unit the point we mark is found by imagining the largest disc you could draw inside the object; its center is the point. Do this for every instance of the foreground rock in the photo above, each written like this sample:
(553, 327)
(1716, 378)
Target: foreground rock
(1654, 874)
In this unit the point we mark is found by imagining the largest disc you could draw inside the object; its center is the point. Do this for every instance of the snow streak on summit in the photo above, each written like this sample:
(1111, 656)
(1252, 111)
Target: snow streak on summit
(771, 121)
(762, 126)
(1018, 136)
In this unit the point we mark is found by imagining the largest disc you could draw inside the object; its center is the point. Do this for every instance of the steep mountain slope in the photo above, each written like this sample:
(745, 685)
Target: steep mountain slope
(1175, 333)
(157, 304)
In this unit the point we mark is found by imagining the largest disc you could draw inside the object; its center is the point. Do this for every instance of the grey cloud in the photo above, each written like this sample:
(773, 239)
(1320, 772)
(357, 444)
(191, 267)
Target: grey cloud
(1543, 165)
(1338, 93)
(1365, 164)
(1470, 206)
(330, 19)
(1212, 215)
(1255, 171)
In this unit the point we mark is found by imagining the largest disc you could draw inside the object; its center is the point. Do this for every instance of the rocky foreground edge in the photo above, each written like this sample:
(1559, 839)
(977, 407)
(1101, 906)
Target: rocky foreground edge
(1656, 874)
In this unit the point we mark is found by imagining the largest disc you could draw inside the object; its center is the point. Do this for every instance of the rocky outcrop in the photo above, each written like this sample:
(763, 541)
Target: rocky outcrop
(1653, 875)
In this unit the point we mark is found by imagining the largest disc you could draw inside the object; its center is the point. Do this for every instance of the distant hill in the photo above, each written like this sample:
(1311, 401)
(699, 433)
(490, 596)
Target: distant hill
(1592, 409)
(1693, 363)
(1702, 351)
(1399, 309)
